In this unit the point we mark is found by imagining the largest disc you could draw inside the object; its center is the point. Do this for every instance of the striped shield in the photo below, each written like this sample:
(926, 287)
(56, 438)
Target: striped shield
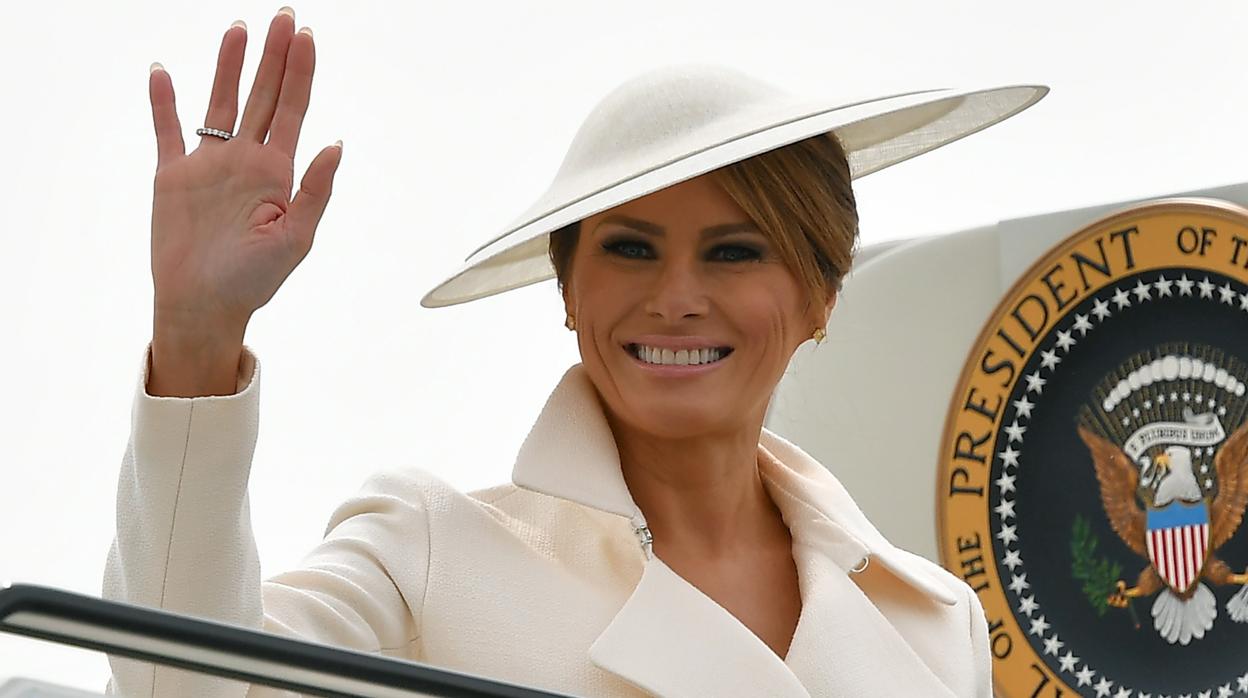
(1178, 542)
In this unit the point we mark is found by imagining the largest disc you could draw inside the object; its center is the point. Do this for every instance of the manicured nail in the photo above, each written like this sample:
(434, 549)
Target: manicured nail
(238, 23)
(155, 67)
(338, 144)
(288, 10)
(306, 30)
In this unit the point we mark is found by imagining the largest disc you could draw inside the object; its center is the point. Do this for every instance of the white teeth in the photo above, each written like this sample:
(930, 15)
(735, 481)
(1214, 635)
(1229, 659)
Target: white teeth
(684, 357)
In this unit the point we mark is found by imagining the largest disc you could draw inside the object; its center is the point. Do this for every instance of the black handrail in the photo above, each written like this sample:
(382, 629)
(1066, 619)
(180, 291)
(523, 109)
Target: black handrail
(121, 629)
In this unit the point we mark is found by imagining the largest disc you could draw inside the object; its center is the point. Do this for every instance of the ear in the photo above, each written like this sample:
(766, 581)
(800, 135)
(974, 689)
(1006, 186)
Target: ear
(820, 319)
(827, 311)
(568, 303)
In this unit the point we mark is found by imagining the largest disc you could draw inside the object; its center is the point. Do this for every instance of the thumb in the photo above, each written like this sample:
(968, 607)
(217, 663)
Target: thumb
(313, 195)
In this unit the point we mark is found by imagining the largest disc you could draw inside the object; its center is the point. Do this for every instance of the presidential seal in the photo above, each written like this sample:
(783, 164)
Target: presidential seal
(1094, 465)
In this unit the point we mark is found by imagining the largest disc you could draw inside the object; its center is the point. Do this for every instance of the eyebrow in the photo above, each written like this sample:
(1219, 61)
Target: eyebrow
(659, 231)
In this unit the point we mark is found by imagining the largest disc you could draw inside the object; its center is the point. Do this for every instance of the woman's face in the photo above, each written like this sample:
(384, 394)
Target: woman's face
(685, 316)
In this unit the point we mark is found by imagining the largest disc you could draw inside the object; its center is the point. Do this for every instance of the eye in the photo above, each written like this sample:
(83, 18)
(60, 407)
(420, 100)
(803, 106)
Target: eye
(734, 253)
(629, 249)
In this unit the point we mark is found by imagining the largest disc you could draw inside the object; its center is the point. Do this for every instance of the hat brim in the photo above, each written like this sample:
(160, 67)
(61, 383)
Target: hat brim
(876, 134)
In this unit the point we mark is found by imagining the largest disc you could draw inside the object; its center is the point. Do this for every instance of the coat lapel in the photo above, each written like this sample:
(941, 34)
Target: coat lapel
(842, 636)
(672, 640)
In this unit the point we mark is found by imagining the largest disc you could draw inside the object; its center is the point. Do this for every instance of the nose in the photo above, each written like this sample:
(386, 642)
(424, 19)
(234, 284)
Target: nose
(677, 292)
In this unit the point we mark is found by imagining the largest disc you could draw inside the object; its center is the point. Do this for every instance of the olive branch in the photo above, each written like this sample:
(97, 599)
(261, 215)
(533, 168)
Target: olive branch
(1098, 575)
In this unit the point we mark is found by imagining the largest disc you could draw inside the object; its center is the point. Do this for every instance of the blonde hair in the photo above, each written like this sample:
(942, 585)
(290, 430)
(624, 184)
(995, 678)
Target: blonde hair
(801, 198)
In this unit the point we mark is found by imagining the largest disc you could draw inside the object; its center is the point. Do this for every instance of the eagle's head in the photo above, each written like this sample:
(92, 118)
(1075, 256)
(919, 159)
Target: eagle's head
(1178, 458)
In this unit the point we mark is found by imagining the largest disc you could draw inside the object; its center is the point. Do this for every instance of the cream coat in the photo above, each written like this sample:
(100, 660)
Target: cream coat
(543, 581)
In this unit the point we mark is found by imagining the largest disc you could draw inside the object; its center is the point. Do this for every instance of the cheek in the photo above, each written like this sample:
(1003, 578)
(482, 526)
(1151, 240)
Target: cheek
(771, 313)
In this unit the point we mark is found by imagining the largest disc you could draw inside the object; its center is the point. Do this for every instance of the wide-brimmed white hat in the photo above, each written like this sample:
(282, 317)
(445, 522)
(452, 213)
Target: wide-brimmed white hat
(674, 123)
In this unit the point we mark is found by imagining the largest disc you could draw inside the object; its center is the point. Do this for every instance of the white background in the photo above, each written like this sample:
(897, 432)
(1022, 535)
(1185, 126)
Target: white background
(454, 118)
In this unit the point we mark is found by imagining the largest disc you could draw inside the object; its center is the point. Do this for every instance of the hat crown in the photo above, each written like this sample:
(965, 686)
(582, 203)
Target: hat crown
(662, 107)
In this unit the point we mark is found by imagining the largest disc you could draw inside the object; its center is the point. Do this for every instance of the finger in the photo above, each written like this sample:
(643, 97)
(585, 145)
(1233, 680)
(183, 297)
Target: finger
(292, 102)
(264, 91)
(223, 104)
(309, 204)
(169, 143)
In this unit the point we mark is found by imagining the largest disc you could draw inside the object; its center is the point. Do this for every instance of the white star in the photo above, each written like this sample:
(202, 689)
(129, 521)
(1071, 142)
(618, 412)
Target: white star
(1206, 694)
(1227, 293)
(1224, 691)
(1242, 682)
(1024, 407)
(1007, 536)
(1121, 299)
(1141, 291)
(1123, 692)
(1208, 483)
(1102, 687)
(1027, 605)
(1015, 432)
(1049, 359)
(1148, 404)
(1012, 559)
(1082, 324)
(1005, 482)
(1065, 341)
(1038, 626)
(1018, 583)
(1222, 411)
(1187, 397)
(1068, 661)
(1174, 396)
(1052, 645)
(1005, 509)
(1243, 301)
(1009, 456)
(1185, 285)
(1206, 288)
(1035, 383)
(1125, 421)
(1142, 694)
(1161, 399)
(1084, 676)
(1163, 286)
(1100, 309)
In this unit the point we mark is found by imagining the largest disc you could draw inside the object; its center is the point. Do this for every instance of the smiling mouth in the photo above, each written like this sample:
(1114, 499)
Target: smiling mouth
(684, 357)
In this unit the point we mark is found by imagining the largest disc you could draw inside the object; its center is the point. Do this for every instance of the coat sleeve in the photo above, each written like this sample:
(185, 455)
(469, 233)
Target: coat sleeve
(981, 652)
(184, 542)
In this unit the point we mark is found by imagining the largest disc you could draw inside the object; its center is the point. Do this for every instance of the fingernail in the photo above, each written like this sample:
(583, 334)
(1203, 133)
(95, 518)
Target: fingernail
(238, 23)
(155, 67)
(288, 10)
(306, 30)
(338, 144)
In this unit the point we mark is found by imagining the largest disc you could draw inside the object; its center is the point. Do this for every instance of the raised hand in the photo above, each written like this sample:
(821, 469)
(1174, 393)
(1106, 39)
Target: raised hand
(225, 230)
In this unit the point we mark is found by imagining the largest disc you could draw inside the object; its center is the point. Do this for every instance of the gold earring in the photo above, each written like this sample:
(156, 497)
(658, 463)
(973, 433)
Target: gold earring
(819, 335)
(570, 322)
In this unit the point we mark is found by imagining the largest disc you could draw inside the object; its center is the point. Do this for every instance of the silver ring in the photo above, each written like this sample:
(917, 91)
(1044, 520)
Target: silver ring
(225, 135)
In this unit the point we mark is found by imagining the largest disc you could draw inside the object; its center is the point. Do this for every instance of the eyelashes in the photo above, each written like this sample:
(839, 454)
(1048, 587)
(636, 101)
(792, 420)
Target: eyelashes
(640, 249)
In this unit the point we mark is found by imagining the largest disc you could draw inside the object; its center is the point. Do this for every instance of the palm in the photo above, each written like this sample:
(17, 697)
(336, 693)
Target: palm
(225, 232)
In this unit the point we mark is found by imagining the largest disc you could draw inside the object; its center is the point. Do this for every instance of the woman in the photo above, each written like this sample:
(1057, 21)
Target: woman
(655, 538)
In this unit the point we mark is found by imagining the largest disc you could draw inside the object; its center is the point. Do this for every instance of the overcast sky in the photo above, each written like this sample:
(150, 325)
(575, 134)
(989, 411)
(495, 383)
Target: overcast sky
(454, 117)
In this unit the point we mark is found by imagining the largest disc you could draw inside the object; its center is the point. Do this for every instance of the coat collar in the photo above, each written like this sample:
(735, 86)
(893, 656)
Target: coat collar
(668, 627)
